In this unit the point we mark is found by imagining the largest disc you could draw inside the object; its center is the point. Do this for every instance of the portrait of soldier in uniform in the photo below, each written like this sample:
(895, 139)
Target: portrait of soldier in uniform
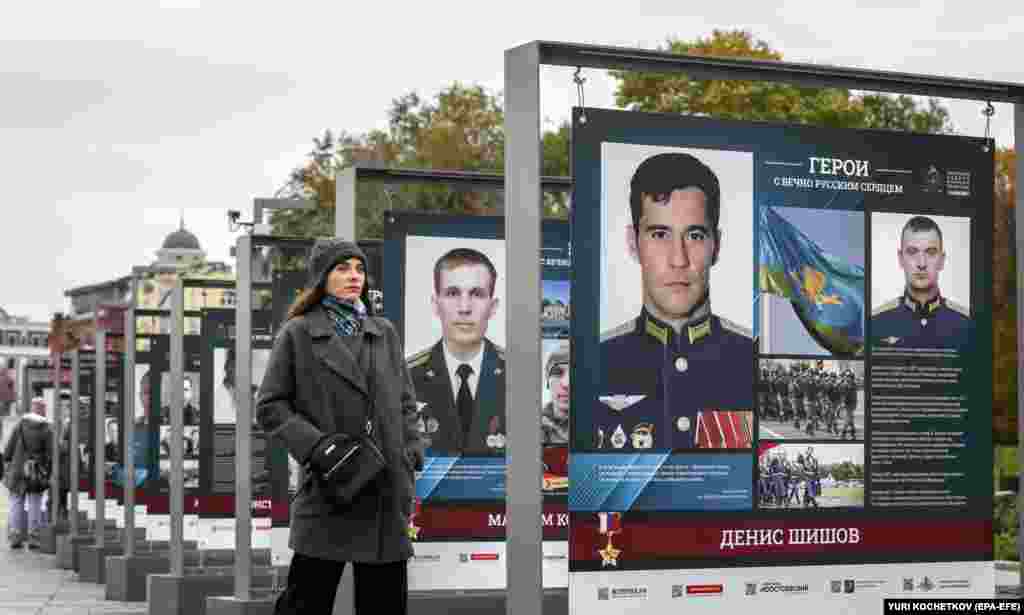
(554, 416)
(460, 379)
(677, 359)
(921, 317)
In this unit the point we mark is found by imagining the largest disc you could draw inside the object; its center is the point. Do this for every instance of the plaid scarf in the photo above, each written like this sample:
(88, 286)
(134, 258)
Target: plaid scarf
(347, 317)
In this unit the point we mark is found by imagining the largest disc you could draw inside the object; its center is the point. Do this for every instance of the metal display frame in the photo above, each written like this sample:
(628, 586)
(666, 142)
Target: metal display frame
(522, 215)
(99, 466)
(346, 202)
(56, 434)
(73, 456)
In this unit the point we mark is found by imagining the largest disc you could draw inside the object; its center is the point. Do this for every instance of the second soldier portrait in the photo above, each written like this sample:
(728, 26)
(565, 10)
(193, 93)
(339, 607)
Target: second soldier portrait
(676, 304)
(920, 283)
(455, 332)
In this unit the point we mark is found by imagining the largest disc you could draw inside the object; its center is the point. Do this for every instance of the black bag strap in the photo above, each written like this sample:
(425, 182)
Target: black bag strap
(371, 390)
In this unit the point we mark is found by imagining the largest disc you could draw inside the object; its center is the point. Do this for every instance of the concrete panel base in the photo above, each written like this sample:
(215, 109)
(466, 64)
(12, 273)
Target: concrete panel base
(126, 576)
(48, 536)
(556, 602)
(187, 595)
(67, 549)
(174, 595)
(92, 562)
(229, 605)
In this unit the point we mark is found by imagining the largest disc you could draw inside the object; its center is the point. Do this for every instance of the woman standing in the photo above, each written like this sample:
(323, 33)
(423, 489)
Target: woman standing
(334, 367)
(29, 440)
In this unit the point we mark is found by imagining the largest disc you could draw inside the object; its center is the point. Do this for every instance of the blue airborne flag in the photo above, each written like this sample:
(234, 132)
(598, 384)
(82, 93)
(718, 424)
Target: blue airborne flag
(826, 293)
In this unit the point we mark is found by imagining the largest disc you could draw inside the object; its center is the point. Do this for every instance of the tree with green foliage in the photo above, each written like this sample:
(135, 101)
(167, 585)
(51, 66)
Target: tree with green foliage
(462, 128)
(767, 100)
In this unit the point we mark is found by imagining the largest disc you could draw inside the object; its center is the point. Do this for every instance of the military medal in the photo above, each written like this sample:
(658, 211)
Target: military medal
(495, 439)
(420, 425)
(610, 525)
(432, 425)
(683, 423)
(414, 530)
(643, 435)
(619, 437)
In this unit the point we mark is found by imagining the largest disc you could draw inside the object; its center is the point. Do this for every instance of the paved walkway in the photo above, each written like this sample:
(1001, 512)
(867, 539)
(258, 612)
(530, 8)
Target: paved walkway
(31, 584)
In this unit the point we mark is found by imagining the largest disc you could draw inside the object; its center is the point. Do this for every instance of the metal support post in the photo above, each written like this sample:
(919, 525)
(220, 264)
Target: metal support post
(243, 421)
(523, 293)
(345, 204)
(73, 445)
(177, 473)
(57, 432)
(1018, 132)
(99, 399)
(22, 365)
(128, 424)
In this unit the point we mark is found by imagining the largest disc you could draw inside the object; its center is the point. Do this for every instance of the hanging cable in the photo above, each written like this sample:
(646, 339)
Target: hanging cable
(579, 81)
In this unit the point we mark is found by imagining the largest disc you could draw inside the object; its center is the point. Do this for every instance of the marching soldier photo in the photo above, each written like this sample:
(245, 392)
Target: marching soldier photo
(801, 476)
(460, 379)
(677, 358)
(923, 316)
(821, 399)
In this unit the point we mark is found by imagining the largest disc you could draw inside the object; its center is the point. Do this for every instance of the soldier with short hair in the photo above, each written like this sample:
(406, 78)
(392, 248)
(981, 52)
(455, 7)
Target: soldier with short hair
(554, 416)
(922, 317)
(677, 359)
(460, 379)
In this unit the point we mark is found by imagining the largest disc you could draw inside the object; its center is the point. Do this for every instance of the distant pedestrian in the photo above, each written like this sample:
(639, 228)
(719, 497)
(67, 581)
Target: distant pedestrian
(26, 476)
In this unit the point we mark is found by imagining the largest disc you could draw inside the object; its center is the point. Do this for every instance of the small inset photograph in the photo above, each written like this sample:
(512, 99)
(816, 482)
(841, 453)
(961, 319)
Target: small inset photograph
(810, 476)
(920, 281)
(811, 281)
(555, 309)
(820, 399)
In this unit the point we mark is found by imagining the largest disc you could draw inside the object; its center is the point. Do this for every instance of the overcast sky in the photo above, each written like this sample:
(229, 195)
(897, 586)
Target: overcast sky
(111, 119)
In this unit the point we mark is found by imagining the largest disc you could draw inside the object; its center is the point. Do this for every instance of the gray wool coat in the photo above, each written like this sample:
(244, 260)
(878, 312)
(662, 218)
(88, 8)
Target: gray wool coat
(314, 386)
(37, 439)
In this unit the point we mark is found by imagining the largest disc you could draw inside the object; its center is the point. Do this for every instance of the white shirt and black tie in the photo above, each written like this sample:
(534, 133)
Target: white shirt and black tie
(464, 377)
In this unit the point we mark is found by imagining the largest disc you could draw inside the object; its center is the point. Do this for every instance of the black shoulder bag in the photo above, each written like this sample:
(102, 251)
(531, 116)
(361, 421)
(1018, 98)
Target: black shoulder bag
(347, 463)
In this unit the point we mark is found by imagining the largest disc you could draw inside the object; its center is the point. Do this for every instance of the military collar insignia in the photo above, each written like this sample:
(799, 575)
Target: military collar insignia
(923, 309)
(619, 403)
(656, 331)
(699, 331)
(697, 324)
(430, 373)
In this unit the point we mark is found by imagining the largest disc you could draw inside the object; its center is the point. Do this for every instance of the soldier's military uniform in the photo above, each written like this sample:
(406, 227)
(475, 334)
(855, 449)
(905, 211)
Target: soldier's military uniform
(848, 392)
(655, 381)
(439, 417)
(834, 402)
(905, 323)
(764, 393)
(554, 425)
(796, 391)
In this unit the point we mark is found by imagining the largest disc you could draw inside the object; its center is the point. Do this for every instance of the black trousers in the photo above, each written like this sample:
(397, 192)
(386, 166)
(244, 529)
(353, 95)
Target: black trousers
(313, 586)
